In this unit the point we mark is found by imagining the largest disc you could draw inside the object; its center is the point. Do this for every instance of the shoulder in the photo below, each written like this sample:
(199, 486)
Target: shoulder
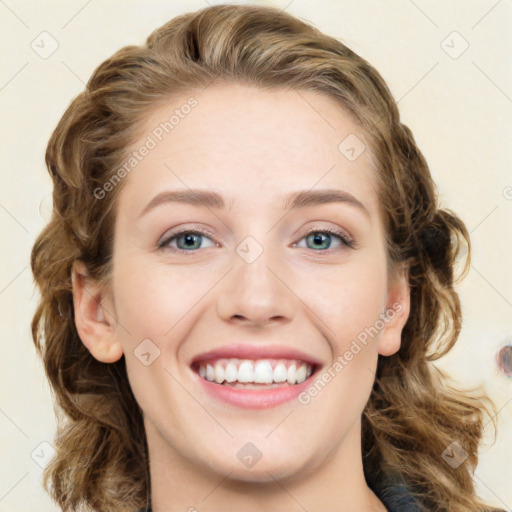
(397, 498)
(395, 495)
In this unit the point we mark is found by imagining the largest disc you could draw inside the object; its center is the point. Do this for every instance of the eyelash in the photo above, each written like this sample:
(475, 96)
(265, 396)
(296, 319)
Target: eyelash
(163, 244)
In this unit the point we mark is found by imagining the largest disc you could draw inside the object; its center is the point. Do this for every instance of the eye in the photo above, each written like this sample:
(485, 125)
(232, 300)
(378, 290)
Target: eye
(322, 238)
(189, 240)
(186, 240)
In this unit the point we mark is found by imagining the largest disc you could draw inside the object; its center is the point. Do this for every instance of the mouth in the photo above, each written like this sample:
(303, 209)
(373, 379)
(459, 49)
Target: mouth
(254, 376)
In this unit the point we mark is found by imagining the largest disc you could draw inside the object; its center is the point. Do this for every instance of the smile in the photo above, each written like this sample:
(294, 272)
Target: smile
(255, 374)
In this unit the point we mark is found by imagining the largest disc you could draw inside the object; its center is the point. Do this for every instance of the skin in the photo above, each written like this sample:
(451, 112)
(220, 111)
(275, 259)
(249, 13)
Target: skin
(237, 141)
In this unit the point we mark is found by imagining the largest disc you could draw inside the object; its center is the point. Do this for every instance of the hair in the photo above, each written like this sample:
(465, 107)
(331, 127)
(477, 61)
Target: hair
(413, 413)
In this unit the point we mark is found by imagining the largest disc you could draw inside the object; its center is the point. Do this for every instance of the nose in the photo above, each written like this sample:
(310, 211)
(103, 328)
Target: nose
(257, 293)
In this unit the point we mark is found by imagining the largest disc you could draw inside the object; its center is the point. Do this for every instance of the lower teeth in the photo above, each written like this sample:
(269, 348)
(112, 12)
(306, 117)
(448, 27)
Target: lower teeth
(251, 385)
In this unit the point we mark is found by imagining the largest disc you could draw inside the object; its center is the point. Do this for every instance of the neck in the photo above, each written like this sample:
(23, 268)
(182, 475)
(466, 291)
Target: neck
(336, 484)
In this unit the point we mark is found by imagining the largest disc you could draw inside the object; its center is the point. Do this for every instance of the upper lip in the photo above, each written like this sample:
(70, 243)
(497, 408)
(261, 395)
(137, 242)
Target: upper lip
(255, 351)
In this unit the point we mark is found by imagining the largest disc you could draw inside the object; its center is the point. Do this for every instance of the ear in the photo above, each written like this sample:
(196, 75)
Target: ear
(93, 319)
(398, 306)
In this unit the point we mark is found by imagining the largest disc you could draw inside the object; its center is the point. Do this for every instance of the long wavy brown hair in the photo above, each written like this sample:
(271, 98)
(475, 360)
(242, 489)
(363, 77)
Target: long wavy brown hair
(413, 414)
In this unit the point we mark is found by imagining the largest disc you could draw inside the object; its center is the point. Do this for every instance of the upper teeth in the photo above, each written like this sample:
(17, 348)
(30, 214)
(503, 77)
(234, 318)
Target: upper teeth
(262, 371)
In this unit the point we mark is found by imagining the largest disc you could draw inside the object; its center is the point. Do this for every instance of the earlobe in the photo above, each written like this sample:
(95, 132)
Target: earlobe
(397, 312)
(94, 321)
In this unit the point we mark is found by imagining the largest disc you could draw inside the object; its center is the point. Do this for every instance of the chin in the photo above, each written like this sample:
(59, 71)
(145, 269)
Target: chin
(247, 463)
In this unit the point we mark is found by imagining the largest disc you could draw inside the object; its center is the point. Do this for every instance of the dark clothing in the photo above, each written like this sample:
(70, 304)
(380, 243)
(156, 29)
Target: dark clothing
(395, 496)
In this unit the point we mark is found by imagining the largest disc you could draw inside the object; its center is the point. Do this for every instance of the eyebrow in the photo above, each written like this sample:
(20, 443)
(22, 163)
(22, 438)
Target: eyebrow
(291, 201)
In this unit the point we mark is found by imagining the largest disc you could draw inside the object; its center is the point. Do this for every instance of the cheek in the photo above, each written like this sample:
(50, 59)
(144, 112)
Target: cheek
(350, 299)
(350, 304)
(157, 301)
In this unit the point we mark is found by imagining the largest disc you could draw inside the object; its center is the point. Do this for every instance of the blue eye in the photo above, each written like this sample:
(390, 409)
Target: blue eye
(186, 240)
(320, 239)
(191, 240)
(323, 237)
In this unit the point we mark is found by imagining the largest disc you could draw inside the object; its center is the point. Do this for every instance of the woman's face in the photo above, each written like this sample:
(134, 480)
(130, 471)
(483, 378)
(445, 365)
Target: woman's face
(289, 270)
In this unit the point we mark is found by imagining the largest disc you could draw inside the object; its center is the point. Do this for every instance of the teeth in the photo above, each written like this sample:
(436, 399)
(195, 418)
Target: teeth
(246, 372)
(300, 374)
(231, 373)
(219, 373)
(263, 373)
(269, 372)
(209, 372)
(280, 373)
(290, 374)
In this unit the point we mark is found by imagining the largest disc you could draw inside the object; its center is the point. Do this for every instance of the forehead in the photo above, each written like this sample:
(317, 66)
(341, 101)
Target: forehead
(252, 145)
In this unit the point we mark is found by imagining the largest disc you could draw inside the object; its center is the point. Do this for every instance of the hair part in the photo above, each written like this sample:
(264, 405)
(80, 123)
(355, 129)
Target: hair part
(102, 457)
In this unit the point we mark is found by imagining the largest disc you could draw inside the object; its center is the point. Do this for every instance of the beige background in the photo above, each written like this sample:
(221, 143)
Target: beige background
(458, 104)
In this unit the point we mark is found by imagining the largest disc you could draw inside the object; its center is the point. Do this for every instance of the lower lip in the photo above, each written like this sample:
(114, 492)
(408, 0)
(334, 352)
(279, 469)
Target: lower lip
(254, 398)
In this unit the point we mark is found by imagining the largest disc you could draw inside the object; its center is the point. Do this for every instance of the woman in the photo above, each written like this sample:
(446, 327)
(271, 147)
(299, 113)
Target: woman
(245, 278)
